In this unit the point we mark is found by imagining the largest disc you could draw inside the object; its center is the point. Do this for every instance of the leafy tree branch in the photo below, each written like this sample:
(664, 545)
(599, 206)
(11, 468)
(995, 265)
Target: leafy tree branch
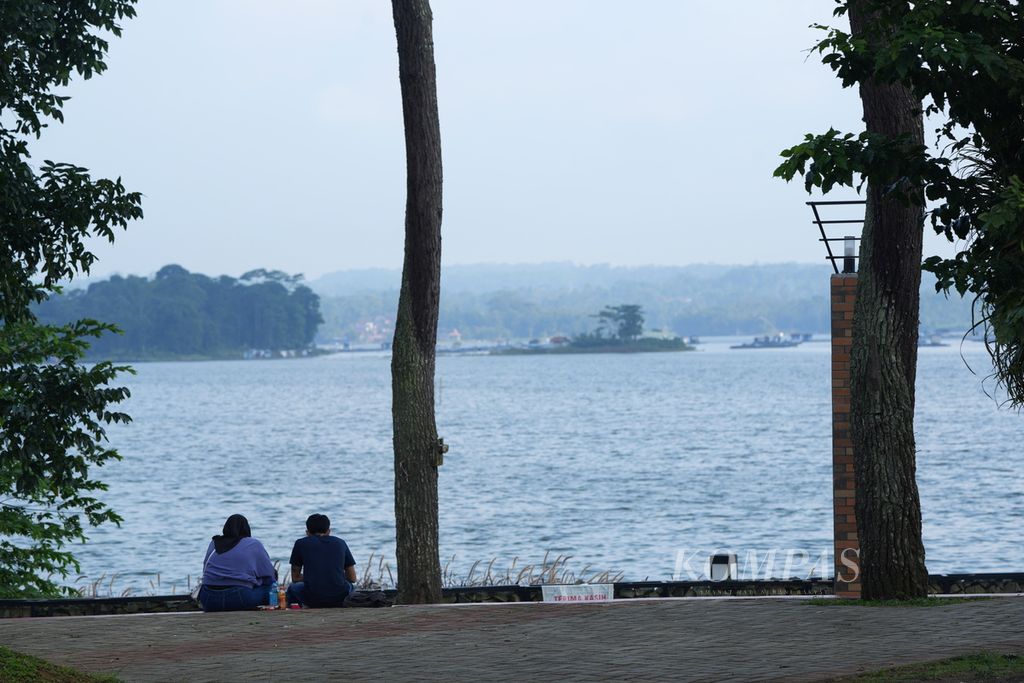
(54, 410)
(965, 60)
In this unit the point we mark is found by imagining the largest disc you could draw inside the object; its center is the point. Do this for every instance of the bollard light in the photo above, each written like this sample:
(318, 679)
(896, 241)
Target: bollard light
(849, 252)
(722, 567)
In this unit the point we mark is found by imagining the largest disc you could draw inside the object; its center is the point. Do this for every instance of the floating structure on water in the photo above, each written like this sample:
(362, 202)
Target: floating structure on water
(932, 340)
(777, 341)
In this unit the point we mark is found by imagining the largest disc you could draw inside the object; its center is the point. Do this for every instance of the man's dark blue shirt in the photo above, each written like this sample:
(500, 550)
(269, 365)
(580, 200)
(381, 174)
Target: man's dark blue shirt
(323, 560)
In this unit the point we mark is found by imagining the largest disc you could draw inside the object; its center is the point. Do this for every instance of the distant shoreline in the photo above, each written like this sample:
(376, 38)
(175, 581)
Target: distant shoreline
(664, 347)
(196, 358)
(570, 350)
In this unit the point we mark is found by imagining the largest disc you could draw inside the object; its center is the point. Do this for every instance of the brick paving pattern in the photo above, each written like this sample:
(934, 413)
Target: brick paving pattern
(641, 640)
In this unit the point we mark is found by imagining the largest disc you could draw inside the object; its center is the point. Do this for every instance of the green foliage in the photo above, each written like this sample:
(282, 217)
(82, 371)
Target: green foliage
(15, 666)
(846, 160)
(47, 214)
(183, 314)
(53, 410)
(595, 343)
(624, 322)
(980, 666)
(619, 331)
(965, 60)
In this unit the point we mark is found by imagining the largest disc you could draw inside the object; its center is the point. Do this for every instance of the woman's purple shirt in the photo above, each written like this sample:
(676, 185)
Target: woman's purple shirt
(247, 564)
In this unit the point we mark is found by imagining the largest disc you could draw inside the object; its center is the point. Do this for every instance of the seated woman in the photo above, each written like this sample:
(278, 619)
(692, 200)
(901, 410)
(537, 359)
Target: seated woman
(237, 572)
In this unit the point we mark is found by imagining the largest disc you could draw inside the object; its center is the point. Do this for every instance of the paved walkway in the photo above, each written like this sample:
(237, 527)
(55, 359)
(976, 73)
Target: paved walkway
(656, 640)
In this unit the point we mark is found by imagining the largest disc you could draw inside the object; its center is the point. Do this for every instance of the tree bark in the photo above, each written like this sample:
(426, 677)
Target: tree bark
(883, 356)
(412, 360)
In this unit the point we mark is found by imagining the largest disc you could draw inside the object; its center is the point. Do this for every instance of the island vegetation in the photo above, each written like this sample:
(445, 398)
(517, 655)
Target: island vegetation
(178, 314)
(620, 329)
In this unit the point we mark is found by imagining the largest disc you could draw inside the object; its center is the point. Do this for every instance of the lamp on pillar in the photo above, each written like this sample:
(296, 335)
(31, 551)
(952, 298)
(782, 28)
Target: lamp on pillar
(849, 260)
(849, 241)
(843, 295)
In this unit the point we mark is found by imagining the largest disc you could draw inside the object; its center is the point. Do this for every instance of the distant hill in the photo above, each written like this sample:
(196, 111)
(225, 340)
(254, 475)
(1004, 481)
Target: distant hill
(491, 301)
(490, 277)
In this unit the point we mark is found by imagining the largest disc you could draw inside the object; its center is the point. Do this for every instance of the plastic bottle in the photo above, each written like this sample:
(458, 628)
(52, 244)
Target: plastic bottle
(274, 599)
(282, 597)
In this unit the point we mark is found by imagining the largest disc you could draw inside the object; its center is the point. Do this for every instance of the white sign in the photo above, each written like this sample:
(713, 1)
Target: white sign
(580, 592)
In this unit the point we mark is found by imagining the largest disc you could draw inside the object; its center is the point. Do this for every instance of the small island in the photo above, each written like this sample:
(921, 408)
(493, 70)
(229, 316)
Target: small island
(620, 330)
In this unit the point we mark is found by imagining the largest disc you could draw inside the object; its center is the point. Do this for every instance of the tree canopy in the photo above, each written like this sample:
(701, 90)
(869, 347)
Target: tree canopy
(624, 322)
(53, 409)
(965, 60)
(178, 313)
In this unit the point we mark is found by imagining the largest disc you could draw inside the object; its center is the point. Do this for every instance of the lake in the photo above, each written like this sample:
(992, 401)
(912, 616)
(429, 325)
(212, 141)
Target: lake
(620, 461)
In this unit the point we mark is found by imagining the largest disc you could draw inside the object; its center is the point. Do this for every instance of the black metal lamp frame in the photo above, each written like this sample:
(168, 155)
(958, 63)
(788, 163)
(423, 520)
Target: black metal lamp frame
(849, 262)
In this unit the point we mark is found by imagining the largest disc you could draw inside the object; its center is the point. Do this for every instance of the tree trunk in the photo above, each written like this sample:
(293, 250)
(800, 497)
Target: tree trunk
(883, 358)
(412, 360)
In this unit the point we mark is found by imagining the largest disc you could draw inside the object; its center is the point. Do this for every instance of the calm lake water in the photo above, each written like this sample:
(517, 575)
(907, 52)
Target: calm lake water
(620, 461)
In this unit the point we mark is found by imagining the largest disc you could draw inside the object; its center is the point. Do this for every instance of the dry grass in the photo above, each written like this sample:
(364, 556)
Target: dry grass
(549, 570)
(376, 577)
(102, 587)
(379, 575)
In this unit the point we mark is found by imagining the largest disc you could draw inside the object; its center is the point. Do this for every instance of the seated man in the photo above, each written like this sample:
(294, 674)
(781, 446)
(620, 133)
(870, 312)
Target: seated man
(323, 570)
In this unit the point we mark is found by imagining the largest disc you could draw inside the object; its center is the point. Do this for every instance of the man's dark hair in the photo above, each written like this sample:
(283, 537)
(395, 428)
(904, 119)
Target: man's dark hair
(318, 524)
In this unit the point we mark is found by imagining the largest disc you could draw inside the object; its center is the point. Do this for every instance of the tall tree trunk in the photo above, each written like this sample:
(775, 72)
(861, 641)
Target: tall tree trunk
(883, 357)
(412, 360)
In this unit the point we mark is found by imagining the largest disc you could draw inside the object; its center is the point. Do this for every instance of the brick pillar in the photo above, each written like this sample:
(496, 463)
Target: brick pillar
(847, 546)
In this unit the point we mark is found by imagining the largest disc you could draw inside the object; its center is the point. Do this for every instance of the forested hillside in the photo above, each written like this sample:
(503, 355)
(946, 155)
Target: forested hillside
(523, 301)
(183, 314)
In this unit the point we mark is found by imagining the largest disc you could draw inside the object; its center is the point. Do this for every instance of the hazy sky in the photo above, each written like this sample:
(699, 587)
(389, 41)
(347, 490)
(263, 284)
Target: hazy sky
(268, 133)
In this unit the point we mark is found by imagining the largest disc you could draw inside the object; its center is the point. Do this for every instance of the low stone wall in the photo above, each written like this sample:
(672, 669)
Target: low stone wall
(652, 589)
(81, 607)
(1003, 582)
(939, 583)
(709, 589)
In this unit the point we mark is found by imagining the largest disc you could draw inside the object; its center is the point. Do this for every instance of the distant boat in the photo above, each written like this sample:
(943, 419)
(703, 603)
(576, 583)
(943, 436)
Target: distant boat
(933, 340)
(778, 341)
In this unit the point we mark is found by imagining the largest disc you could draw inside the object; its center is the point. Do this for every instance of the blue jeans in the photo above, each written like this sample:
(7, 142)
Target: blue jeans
(231, 599)
(297, 594)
